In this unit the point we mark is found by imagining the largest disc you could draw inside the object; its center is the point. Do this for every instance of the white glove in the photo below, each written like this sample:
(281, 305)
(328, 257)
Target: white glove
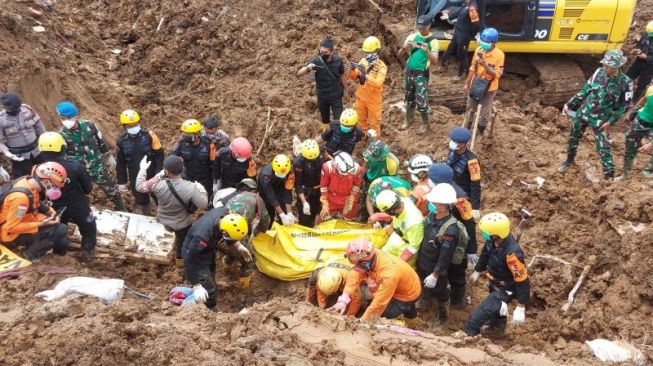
(476, 214)
(161, 173)
(122, 188)
(306, 208)
(112, 162)
(245, 253)
(292, 217)
(519, 315)
(216, 185)
(504, 309)
(430, 281)
(311, 67)
(296, 145)
(474, 277)
(145, 164)
(377, 225)
(200, 187)
(13, 157)
(4, 176)
(200, 293)
(371, 133)
(472, 259)
(286, 219)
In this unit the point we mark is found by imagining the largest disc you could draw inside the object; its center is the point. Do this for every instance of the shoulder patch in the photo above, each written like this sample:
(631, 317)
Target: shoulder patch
(518, 269)
(156, 144)
(474, 170)
(22, 210)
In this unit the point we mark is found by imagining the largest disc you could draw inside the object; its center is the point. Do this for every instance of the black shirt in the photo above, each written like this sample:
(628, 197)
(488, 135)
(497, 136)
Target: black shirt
(328, 86)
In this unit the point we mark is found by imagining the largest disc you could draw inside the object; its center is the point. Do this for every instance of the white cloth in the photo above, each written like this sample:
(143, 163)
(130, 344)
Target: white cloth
(106, 289)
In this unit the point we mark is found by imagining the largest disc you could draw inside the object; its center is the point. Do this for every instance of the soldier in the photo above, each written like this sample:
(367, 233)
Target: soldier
(198, 153)
(20, 127)
(84, 143)
(212, 132)
(642, 127)
(466, 169)
(604, 98)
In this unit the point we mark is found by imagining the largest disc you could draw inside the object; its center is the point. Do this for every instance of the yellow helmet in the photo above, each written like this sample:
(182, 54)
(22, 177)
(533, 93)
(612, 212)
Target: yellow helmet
(129, 116)
(349, 117)
(51, 141)
(310, 149)
(495, 223)
(649, 91)
(281, 164)
(371, 44)
(649, 27)
(234, 226)
(191, 126)
(329, 281)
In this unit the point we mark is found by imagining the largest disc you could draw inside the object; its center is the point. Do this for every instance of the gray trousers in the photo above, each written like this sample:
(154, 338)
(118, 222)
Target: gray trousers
(486, 110)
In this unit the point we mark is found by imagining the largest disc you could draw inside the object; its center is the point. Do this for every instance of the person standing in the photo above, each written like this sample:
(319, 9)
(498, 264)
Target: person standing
(642, 127)
(465, 27)
(198, 154)
(340, 186)
(308, 168)
(642, 68)
(20, 128)
(330, 82)
(465, 166)
(343, 134)
(275, 184)
(211, 130)
(233, 164)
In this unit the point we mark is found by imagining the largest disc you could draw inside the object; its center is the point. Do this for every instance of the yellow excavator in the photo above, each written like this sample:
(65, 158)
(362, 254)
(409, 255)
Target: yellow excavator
(540, 33)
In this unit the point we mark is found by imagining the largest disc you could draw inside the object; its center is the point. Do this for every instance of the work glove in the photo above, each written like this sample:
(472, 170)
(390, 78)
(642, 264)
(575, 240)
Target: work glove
(216, 185)
(200, 187)
(13, 157)
(565, 109)
(244, 253)
(349, 204)
(371, 133)
(160, 174)
(472, 259)
(111, 162)
(200, 293)
(504, 309)
(296, 145)
(430, 281)
(377, 225)
(341, 305)
(324, 213)
(286, 219)
(292, 217)
(4, 176)
(519, 315)
(122, 188)
(145, 164)
(476, 214)
(475, 276)
(306, 208)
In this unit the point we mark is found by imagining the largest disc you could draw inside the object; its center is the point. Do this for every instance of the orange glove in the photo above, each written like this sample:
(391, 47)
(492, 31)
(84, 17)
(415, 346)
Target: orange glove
(349, 204)
(324, 213)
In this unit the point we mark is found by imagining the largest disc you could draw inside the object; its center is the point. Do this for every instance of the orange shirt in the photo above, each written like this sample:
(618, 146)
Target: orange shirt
(372, 90)
(16, 216)
(494, 58)
(354, 304)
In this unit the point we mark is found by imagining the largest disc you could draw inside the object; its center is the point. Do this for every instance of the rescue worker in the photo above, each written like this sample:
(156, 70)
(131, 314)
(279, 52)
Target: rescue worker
(308, 168)
(133, 145)
(465, 28)
(436, 7)
(85, 143)
(20, 127)
(217, 230)
(330, 82)
(423, 50)
(642, 127)
(418, 167)
(233, 164)
(604, 98)
(224, 195)
(379, 161)
(370, 73)
(503, 259)
(399, 185)
(394, 285)
(211, 130)
(487, 64)
(342, 135)
(327, 283)
(642, 68)
(177, 198)
(340, 186)
(466, 169)
(442, 234)
(73, 194)
(275, 184)
(407, 222)
(198, 153)
(27, 220)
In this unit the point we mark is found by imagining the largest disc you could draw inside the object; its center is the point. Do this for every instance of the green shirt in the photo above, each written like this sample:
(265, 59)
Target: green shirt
(419, 60)
(401, 186)
(646, 112)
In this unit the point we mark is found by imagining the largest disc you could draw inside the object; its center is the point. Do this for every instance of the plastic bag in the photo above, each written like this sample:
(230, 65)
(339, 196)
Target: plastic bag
(108, 290)
(606, 350)
(182, 296)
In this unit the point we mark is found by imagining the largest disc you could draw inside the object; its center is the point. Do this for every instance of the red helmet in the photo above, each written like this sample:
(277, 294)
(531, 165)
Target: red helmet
(360, 250)
(52, 171)
(241, 148)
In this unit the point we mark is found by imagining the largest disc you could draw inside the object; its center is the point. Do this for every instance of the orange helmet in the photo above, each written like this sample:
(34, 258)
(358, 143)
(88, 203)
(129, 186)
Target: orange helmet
(52, 171)
(360, 250)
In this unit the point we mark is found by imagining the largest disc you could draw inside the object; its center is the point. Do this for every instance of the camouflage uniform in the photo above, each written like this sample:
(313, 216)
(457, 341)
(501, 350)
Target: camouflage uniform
(416, 91)
(641, 129)
(220, 139)
(86, 145)
(603, 99)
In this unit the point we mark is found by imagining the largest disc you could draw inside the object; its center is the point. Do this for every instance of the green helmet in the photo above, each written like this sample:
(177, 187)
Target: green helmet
(378, 150)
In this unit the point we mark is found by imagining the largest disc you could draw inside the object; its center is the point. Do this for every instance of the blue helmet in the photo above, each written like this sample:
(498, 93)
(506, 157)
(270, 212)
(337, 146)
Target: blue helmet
(440, 173)
(490, 35)
(460, 135)
(67, 110)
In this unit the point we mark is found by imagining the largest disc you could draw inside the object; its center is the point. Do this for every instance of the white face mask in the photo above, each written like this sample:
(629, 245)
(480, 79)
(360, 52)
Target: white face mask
(134, 130)
(452, 145)
(241, 160)
(68, 123)
(280, 175)
(415, 178)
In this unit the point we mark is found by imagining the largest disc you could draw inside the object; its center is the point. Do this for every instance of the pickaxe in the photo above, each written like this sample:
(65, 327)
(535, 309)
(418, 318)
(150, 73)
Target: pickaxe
(526, 216)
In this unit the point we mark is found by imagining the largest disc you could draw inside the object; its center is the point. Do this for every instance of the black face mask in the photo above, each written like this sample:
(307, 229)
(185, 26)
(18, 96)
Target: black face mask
(325, 57)
(188, 138)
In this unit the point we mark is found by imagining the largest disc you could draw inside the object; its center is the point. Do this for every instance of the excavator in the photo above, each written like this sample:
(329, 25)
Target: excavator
(542, 38)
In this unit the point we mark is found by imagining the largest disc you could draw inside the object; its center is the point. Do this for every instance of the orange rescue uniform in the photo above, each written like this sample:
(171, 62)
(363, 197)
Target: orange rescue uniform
(495, 58)
(17, 217)
(323, 299)
(369, 96)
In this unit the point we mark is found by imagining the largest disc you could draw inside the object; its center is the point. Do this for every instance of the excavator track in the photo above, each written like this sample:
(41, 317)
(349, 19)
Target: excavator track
(559, 78)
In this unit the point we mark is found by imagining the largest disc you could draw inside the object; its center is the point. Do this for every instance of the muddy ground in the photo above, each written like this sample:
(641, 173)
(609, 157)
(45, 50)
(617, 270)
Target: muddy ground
(239, 59)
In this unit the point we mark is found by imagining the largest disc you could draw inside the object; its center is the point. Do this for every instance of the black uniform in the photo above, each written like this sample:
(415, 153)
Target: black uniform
(336, 140)
(199, 162)
(73, 197)
(508, 280)
(131, 150)
(275, 191)
(435, 254)
(328, 87)
(467, 175)
(456, 275)
(642, 68)
(307, 181)
(465, 27)
(230, 171)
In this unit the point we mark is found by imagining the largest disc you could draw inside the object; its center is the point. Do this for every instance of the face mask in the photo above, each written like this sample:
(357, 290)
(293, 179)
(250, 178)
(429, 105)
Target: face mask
(187, 138)
(452, 145)
(366, 265)
(415, 178)
(485, 46)
(432, 208)
(68, 123)
(280, 175)
(325, 57)
(51, 192)
(134, 130)
(371, 57)
(345, 129)
(486, 236)
(241, 160)
(650, 35)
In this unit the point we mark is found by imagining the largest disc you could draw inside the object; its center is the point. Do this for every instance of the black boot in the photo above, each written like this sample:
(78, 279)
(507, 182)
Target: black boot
(496, 328)
(145, 209)
(443, 316)
(481, 129)
(458, 297)
(567, 163)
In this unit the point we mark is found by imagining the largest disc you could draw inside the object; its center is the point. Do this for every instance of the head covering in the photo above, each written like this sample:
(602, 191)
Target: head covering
(247, 182)
(460, 135)
(11, 101)
(67, 110)
(614, 58)
(423, 20)
(174, 164)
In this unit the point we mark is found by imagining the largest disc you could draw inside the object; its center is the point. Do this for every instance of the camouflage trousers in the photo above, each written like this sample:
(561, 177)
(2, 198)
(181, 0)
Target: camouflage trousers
(416, 94)
(601, 142)
(634, 137)
(100, 175)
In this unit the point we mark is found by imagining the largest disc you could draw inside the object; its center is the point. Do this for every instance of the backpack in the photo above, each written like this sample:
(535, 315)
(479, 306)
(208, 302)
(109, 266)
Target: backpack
(9, 188)
(463, 239)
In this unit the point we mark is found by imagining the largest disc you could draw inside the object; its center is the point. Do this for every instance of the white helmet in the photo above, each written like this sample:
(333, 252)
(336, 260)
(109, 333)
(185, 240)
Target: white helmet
(344, 163)
(442, 193)
(419, 163)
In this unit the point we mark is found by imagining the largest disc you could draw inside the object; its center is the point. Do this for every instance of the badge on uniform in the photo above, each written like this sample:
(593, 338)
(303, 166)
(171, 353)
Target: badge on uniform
(474, 170)
(22, 210)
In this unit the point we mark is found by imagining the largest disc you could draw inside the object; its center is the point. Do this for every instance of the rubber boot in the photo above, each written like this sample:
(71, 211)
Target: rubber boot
(120, 205)
(411, 323)
(410, 118)
(425, 124)
(179, 262)
(88, 255)
(146, 209)
(481, 129)
(648, 171)
(496, 328)
(245, 281)
(325, 126)
(458, 297)
(566, 164)
(443, 316)
(628, 166)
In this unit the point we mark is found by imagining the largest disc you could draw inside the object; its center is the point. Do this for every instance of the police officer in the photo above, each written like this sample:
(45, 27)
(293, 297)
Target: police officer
(198, 153)
(217, 230)
(342, 135)
(84, 143)
(275, 184)
(133, 145)
(466, 169)
(503, 259)
(20, 127)
(465, 27)
(233, 164)
(307, 167)
(73, 193)
(212, 132)
(604, 98)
